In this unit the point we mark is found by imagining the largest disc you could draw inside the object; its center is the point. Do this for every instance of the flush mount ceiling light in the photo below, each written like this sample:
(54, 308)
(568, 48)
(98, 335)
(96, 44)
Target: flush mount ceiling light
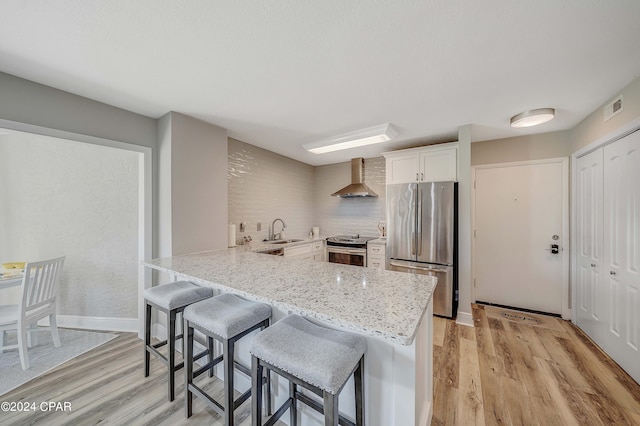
(368, 136)
(533, 117)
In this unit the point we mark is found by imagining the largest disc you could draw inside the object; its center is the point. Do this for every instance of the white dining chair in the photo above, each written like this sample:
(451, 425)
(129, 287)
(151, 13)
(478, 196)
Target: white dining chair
(38, 300)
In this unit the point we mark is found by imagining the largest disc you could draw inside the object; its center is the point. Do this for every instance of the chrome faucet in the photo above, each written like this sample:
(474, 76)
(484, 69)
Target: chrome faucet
(273, 230)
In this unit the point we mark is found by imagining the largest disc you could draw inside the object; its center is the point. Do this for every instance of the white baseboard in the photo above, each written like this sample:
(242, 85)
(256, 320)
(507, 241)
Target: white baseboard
(464, 318)
(95, 323)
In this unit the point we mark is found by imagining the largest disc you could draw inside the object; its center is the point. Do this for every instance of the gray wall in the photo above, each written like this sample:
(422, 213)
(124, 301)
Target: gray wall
(192, 185)
(522, 148)
(594, 127)
(27, 102)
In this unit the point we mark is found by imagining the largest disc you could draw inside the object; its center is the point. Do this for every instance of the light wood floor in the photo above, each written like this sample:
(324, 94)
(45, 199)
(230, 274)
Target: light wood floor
(519, 369)
(107, 386)
(525, 369)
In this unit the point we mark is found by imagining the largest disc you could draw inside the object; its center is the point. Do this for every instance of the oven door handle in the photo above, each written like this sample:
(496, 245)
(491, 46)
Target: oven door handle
(333, 249)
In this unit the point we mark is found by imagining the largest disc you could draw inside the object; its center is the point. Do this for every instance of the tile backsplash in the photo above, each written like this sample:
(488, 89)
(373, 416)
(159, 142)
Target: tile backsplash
(263, 186)
(350, 215)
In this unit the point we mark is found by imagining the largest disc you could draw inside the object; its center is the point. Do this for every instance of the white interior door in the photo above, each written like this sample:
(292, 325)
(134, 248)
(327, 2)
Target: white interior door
(622, 252)
(520, 212)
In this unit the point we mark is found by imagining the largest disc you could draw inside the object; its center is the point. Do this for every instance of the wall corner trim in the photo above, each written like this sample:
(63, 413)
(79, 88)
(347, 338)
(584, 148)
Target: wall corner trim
(465, 318)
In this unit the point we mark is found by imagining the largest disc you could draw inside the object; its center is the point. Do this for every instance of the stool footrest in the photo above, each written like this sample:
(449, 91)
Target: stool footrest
(160, 356)
(279, 412)
(242, 398)
(215, 405)
(200, 355)
(159, 345)
(207, 366)
(342, 420)
(246, 370)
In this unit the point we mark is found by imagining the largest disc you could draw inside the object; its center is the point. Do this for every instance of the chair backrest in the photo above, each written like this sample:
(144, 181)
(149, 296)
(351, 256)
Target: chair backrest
(39, 287)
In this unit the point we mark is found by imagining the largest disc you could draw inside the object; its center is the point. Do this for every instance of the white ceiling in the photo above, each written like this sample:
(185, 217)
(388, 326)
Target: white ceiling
(279, 74)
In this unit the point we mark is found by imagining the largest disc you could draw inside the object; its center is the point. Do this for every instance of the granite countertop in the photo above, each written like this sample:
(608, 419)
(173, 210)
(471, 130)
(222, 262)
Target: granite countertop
(369, 301)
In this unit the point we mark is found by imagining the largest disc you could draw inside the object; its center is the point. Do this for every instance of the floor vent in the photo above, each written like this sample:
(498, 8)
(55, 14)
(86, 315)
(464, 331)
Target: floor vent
(517, 316)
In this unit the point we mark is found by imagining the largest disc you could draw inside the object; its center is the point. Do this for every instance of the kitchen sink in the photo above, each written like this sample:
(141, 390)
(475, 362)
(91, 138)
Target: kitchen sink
(282, 241)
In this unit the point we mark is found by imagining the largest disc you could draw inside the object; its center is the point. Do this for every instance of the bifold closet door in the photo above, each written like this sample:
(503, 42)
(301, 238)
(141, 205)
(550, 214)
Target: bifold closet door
(621, 255)
(590, 306)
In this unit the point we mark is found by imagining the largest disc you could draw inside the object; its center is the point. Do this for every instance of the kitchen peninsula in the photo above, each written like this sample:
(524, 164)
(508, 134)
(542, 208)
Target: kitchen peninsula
(392, 310)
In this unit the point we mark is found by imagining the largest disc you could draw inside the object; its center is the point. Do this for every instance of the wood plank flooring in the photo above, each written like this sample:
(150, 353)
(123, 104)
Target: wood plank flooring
(518, 368)
(107, 386)
(512, 369)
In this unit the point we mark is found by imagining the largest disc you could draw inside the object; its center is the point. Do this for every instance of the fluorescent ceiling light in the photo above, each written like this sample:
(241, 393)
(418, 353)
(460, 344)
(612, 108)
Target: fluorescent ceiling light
(368, 136)
(533, 117)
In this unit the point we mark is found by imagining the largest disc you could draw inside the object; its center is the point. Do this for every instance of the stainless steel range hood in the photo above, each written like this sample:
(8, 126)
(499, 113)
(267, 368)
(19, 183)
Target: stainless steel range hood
(357, 189)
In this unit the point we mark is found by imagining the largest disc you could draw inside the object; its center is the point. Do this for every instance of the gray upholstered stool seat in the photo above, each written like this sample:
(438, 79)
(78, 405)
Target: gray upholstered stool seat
(176, 295)
(171, 299)
(226, 318)
(226, 315)
(317, 358)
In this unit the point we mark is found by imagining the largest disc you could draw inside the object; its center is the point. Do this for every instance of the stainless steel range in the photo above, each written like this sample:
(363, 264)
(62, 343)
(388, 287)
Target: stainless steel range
(348, 249)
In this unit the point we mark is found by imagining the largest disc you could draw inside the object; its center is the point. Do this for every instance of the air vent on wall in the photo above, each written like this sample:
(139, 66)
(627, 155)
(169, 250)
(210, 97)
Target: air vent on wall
(613, 108)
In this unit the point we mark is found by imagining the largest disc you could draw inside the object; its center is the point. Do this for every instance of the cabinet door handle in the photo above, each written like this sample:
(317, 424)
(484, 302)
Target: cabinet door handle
(416, 177)
(612, 272)
(593, 265)
(421, 176)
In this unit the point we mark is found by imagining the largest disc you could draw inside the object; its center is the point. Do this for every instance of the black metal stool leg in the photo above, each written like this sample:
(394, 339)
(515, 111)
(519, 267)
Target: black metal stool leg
(227, 354)
(293, 410)
(188, 367)
(256, 392)
(172, 354)
(268, 402)
(210, 355)
(358, 377)
(330, 409)
(147, 339)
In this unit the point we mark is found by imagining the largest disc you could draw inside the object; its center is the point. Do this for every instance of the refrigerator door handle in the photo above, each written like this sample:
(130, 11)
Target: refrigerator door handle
(419, 268)
(413, 243)
(415, 223)
(419, 220)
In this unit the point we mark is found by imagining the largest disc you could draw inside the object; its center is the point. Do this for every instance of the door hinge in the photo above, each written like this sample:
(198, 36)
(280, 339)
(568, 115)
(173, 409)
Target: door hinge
(474, 282)
(474, 233)
(474, 184)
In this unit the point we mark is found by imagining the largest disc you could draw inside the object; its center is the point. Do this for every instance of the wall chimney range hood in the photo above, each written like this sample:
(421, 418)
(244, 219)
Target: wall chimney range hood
(357, 189)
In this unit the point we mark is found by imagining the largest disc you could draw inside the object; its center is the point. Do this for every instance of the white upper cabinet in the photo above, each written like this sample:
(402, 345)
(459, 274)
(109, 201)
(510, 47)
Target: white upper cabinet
(435, 163)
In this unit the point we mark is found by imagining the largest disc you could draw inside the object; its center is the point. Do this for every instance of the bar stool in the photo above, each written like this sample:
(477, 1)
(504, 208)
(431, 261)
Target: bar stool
(225, 318)
(314, 357)
(171, 299)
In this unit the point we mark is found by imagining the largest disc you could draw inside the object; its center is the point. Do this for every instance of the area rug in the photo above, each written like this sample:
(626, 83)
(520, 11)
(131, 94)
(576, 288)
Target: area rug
(45, 357)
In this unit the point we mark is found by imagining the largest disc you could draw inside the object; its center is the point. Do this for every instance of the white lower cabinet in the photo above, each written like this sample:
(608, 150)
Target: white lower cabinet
(312, 251)
(376, 254)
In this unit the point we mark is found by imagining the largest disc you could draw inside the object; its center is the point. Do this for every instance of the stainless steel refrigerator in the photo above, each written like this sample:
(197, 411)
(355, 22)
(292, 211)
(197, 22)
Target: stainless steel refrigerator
(422, 236)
